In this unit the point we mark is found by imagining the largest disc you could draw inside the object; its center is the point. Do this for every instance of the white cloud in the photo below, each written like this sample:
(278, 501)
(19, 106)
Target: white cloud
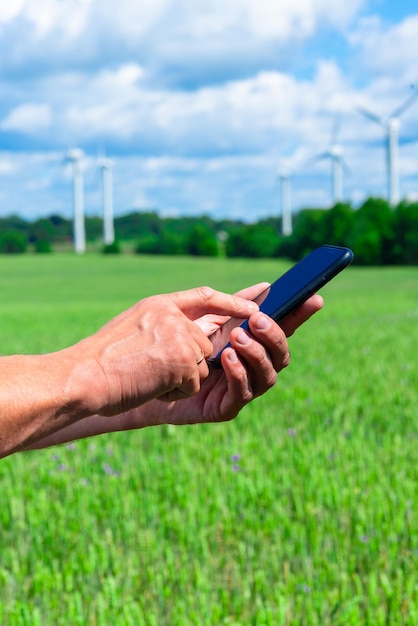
(69, 18)
(9, 9)
(388, 51)
(28, 118)
(131, 19)
(288, 19)
(263, 112)
(188, 39)
(7, 166)
(200, 19)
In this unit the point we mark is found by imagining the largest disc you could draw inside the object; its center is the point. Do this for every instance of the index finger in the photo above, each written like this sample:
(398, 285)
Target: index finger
(201, 300)
(250, 293)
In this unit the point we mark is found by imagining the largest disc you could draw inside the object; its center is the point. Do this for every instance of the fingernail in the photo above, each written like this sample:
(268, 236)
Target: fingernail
(253, 306)
(243, 338)
(263, 322)
(232, 356)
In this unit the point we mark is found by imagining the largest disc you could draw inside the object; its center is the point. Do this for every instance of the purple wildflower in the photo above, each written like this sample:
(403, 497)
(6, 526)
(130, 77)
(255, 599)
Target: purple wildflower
(108, 470)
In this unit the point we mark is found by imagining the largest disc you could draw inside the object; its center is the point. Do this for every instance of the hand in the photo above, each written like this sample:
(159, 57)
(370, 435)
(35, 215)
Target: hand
(250, 366)
(249, 369)
(151, 350)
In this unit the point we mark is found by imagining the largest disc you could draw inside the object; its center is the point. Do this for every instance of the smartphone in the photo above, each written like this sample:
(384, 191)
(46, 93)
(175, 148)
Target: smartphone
(288, 292)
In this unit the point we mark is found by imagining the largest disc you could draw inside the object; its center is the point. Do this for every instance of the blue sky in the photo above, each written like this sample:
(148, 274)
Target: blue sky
(201, 105)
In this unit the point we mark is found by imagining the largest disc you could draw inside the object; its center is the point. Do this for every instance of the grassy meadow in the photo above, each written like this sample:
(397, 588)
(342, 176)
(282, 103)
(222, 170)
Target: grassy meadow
(302, 511)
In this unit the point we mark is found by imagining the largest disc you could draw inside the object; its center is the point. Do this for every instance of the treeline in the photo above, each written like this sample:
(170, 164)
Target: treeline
(377, 233)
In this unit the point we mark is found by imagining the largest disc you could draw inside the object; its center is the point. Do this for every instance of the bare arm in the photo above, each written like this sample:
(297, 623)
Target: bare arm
(149, 351)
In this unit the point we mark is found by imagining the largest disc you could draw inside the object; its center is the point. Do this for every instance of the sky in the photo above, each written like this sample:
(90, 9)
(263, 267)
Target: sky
(203, 105)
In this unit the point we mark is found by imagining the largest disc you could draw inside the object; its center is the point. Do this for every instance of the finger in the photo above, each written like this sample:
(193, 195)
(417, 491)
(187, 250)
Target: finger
(250, 293)
(202, 366)
(203, 344)
(300, 315)
(271, 340)
(210, 322)
(202, 300)
(189, 387)
(239, 391)
(262, 364)
(201, 358)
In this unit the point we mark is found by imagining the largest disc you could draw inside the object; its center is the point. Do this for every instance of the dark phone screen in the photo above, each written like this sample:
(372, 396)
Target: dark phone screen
(290, 290)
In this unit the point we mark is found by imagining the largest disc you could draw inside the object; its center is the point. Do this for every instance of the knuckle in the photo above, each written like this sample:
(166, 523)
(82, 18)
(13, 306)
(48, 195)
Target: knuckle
(237, 303)
(206, 293)
(283, 362)
(246, 391)
(286, 360)
(271, 380)
(247, 397)
(281, 343)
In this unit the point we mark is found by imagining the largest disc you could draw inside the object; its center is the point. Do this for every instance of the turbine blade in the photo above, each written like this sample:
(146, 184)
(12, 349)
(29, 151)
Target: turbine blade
(318, 157)
(370, 115)
(405, 105)
(345, 167)
(335, 130)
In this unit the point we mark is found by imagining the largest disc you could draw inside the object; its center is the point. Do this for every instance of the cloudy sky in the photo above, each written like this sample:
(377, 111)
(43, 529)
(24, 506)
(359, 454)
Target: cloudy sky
(201, 105)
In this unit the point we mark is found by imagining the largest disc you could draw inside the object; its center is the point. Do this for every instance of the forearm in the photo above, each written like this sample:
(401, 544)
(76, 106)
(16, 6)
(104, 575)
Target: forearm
(40, 395)
(150, 414)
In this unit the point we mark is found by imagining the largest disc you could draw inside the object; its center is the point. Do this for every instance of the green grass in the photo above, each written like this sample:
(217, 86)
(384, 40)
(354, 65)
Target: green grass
(315, 524)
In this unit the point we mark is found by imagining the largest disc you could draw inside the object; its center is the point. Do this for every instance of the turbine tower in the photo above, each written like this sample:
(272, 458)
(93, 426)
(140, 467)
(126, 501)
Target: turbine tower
(106, 166)
(336, 154)
(74, 158)
(286, 201)
(390, 126)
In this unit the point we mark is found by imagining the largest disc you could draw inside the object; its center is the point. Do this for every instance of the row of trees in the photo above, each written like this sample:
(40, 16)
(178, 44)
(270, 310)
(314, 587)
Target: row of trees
(377, 233)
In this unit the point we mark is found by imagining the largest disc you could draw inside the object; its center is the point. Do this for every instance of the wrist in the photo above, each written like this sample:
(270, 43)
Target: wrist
(85, 390)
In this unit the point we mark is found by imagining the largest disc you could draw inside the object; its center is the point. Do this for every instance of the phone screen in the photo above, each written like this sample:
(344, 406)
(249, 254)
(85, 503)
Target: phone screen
(289, 291)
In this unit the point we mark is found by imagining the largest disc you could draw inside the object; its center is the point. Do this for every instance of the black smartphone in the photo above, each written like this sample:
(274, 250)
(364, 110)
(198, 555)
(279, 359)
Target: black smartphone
(288, 292)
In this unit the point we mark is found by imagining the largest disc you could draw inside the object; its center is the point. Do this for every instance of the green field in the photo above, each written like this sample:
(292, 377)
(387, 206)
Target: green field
(303, 511)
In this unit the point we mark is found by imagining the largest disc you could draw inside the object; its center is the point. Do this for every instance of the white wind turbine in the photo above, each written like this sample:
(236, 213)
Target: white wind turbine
(106, 166)
(390, 126)
(74, 158)
(284, 177)
(335, 153)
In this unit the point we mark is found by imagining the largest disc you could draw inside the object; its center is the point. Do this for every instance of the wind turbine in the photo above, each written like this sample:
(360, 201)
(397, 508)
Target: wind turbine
(336, 154)
(106, 166)
(286, 201)
(74, 158)
(391, 125)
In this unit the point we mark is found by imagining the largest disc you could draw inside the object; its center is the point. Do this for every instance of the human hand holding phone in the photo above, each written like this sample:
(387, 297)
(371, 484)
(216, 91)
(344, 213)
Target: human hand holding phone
(288, 292)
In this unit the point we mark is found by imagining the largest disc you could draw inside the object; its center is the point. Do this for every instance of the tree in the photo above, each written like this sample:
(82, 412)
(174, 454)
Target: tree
(41, 230)
(42, 246)
(372, 234)
(112, 248)
(338, 222)
(252, 240)
(405, 248)
(13, 242)
(13, 222)
(309, 232)
(136, 225)
(201, 241)
(166, 243)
